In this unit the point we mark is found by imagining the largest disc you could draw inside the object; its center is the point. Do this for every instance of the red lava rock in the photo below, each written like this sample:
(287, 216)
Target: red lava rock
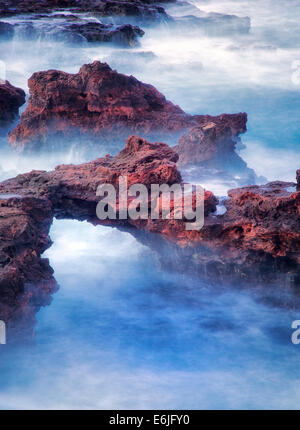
(141, 161)
(11, 99)
(97, 101)
(258, 237)
(123, 35)
(214, 137)
(256, 240)
(100, 106)
(139, 9)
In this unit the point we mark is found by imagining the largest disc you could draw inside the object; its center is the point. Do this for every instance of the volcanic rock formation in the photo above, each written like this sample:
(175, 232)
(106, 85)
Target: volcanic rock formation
(135, 12)
(97, 102)
(26, 279)
(261, 222)
(6, 31)
(72, 30)
(256, 239)
(211, 139)
(101, 105)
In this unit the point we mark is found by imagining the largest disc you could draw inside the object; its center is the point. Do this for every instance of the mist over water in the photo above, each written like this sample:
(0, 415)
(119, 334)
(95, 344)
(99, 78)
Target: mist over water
(256, 72)
(120, 332)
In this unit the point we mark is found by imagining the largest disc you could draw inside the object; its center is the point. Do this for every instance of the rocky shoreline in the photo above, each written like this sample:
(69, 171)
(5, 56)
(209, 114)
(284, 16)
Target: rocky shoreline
(103, 7)
(250, 237)
(256, 240)
(110, 21)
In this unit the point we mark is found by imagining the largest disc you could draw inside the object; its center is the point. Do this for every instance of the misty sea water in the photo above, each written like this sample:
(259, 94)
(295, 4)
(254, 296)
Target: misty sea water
(120, 332)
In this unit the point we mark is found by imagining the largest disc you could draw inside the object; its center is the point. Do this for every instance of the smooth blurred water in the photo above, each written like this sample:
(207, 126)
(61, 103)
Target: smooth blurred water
(121, 333)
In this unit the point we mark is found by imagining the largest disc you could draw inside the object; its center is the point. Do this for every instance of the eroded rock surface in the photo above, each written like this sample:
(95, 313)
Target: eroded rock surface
(101, 107)
(215, 137)
(97, 102)
(139, 10)
(256, 240)
(261, 222)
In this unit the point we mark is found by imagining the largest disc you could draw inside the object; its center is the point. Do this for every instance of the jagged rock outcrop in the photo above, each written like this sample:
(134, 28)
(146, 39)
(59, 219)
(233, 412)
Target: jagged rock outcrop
(99, 106)
(215, 137)
(259, 232)
(11, 99)
(26, 279)
(6, 31)
(209, 150)
(72, 30)
(212, 24)
(256, 239)
(260, 222)
(102, 105)
(98, 102)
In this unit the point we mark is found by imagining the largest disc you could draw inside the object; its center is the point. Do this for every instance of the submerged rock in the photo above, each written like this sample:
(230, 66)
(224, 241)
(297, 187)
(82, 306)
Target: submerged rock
(257, 237)
(190, 19)
(140, 11)
(6, 31)
(213, 24)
